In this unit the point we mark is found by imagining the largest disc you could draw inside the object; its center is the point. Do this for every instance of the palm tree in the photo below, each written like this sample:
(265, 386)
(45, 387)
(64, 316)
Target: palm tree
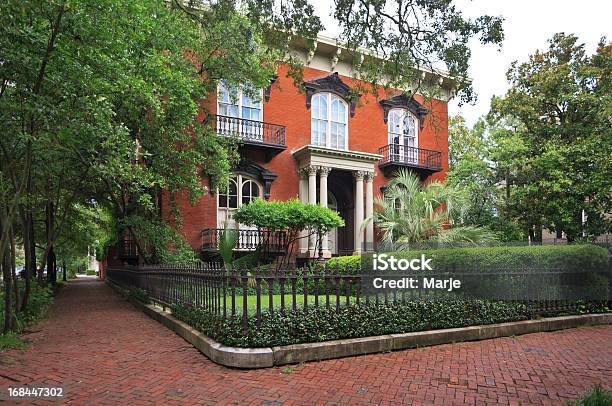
(411, 213)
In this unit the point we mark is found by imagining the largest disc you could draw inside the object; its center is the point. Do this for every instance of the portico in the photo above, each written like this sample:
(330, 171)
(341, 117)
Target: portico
(315, 164)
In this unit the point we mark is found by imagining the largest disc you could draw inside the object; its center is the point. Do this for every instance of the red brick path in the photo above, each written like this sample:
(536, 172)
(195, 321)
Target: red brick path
(104, 351)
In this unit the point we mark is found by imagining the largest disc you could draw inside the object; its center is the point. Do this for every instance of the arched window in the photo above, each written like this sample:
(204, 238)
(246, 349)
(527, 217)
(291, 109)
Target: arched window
(329, 126)
(240, 111)
(241, 190)
(403, 135)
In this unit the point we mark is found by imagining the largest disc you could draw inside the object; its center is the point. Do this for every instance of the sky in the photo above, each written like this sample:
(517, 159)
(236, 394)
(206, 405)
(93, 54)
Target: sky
(528, 25)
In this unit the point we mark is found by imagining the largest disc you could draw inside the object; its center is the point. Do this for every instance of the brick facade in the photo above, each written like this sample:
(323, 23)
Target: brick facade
(367, 132)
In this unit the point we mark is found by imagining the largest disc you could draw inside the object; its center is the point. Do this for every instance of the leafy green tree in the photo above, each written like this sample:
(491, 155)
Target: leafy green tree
(296, 219)
(413, 213)
(478, 160)
(411, 35)
(558, 159)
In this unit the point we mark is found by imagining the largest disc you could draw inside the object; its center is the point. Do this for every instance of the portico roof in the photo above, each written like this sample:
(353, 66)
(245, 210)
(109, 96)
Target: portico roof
(336, 158)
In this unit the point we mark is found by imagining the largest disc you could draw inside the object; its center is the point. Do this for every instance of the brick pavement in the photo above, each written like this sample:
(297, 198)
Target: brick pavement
(104, 351)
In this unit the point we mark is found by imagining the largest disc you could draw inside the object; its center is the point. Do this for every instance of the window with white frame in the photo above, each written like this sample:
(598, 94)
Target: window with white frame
(329, 125)
(240, 111)
(403, 135)
(240, 190)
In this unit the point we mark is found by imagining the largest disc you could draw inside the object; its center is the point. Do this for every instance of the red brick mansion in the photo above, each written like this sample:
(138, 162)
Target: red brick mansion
(321, 145)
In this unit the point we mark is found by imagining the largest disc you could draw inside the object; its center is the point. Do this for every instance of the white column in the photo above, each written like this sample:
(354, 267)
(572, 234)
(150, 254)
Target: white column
(323, 173)
(303, 191)
(369, 210)
(312, 199)
(358, 210)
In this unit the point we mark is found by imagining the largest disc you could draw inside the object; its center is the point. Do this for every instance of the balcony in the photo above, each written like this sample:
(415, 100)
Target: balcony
(423, 161)
(272, 242)
(256, 135)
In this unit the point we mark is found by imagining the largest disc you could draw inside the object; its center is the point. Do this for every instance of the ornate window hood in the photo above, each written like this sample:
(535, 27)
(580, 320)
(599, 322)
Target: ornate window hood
(331, 84)
(403, 101)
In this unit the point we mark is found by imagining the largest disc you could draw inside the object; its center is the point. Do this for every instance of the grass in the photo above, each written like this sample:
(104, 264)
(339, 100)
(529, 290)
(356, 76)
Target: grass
(595, 397)
(11, 340)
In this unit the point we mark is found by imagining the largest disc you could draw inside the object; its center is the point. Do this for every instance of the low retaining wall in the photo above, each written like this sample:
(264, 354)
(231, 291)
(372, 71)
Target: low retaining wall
(251, 358)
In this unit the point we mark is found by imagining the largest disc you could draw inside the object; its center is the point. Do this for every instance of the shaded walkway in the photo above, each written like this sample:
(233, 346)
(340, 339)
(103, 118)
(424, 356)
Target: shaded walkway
(104, 351)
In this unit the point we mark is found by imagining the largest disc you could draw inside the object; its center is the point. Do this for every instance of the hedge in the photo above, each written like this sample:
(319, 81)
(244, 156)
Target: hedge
(362, 320)
(579, 257)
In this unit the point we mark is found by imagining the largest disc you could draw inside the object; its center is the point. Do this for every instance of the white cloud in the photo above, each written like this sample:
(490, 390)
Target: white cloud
(528, 26)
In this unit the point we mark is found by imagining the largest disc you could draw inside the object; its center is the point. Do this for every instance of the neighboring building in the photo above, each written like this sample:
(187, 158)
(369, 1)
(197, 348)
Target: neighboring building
(320, 146)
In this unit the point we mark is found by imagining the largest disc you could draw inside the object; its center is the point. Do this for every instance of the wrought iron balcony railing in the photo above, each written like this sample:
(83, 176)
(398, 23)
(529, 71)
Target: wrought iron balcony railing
(251, 131)
(402, 155)
(248, 240)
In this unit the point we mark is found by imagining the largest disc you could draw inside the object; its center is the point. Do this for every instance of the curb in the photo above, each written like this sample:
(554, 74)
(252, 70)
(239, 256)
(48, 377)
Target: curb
(253, 358)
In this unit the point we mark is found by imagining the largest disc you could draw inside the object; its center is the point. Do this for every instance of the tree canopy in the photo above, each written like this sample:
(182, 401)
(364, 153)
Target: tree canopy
(559, 166)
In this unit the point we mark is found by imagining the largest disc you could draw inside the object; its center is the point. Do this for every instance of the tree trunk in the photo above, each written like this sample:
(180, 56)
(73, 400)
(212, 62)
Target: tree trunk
(32, 235)
(64, 277)
(14, 271)
(29, 270)
(8, 302)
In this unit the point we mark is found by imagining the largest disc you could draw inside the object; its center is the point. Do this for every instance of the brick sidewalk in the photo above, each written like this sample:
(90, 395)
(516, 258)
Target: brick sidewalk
(104, 351)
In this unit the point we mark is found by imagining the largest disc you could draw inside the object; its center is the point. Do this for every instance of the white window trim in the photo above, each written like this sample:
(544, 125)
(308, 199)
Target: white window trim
(329, 120)
(239, 181)
(239, 103)
(404, 112)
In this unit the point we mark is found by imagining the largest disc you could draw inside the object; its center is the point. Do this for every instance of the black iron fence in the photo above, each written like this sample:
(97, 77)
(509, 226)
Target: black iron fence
(411, 156)
(251, 131)
(245, 293)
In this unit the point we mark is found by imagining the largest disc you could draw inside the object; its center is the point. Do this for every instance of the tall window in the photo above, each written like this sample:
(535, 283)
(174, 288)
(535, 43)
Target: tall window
(329, 121)
(240, 103)
(241, 190)
(403, 135)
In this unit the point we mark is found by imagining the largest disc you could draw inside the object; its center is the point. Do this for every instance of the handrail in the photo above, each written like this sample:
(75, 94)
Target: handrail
(411, 156)
(251, 131)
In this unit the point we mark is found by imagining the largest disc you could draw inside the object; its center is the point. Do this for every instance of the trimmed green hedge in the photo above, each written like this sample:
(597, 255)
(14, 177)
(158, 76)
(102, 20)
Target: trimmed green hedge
(321, 324)
(580, 257)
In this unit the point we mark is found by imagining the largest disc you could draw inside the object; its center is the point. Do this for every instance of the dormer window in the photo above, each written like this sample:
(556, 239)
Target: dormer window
(329, 126)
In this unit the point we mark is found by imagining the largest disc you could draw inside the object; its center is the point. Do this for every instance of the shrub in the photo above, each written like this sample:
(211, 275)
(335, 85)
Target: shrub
(579, 257)
(595, 397)
(39, 300)
(139, 294)
(10, 340)
(362, 320)
(91, 272)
